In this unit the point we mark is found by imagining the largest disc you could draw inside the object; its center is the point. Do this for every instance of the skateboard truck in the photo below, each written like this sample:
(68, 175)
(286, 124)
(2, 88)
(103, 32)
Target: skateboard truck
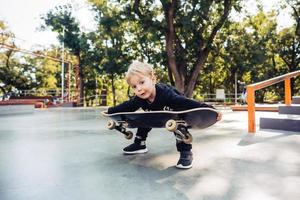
(180, 128)
(121, 128)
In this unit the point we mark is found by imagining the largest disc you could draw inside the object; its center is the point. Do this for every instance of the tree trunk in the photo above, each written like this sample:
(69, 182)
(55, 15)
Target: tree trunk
(178, 69)
(113, 88)
(195, 73)
(170, 75)
(78, 81)
(183, 83)
(170, 44)
(81, 85)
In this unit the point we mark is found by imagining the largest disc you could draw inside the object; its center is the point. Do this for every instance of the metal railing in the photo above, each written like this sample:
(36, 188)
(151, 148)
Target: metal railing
(257, 86)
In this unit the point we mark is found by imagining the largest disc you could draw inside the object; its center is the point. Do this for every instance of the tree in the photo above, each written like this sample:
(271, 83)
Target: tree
(62, 22)
(189, 29)
(246, 49)
(289, 43)
(47, 72)
(13, 73)
(111, 46)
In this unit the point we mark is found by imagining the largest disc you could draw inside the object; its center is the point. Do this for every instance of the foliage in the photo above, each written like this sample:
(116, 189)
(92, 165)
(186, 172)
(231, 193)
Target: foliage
(188, 29)
(111, 46)
(14, 74)
(47, 72)
(197, 48)
(62, 21)
(246, 49)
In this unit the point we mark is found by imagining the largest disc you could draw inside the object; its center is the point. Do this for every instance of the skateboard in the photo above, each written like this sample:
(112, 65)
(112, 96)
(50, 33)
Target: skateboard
(178, 122)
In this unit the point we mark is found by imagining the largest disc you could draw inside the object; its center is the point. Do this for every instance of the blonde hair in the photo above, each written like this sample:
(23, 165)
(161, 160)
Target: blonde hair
(139, 68)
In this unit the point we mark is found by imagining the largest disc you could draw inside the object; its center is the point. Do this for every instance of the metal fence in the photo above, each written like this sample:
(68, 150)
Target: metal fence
(101, 98)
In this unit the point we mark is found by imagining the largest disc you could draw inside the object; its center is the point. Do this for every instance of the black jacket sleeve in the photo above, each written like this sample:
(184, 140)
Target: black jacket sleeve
(127, 106)
(180, 102)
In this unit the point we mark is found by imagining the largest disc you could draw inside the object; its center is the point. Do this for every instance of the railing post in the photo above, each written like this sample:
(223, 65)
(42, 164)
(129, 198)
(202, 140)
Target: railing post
(287, 91)
(251, 109)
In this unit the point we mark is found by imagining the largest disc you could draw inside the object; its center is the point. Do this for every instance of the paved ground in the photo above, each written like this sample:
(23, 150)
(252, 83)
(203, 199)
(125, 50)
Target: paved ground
(69, 154)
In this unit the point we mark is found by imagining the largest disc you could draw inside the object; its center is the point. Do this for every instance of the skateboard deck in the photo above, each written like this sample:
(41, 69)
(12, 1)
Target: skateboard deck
(175, 121)
(197, 118)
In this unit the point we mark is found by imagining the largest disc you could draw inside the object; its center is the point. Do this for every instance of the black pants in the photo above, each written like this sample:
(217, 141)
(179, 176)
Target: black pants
(142, 133)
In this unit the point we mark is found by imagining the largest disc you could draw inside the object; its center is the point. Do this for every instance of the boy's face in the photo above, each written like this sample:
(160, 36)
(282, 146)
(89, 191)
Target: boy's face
(143, 86)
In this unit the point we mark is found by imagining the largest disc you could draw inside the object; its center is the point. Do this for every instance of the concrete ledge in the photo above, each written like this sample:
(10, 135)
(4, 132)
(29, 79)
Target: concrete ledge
(291, 110)
(16, 109)
(280, 124)
(36, 103)
(296, 100)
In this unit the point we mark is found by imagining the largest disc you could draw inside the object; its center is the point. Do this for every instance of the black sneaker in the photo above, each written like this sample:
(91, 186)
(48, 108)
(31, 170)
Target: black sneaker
(135, 149)
(186, 160)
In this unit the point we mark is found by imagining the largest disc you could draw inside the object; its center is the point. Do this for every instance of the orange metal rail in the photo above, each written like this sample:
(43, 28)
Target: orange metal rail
(257, 86)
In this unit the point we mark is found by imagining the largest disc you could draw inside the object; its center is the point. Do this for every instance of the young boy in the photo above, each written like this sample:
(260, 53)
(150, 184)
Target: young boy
(150, 96)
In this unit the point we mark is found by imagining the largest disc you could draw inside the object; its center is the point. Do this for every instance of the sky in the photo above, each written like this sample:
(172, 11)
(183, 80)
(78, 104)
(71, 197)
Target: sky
(23, 18)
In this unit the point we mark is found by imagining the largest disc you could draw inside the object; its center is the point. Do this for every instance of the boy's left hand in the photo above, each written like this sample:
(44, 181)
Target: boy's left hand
(219, 117)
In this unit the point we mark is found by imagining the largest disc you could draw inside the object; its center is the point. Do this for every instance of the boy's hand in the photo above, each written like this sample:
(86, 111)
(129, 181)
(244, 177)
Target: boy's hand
(219, 117)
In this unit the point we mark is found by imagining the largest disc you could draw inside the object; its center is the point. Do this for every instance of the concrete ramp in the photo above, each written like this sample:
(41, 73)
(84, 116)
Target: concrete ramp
(16, 109)
(69, 154)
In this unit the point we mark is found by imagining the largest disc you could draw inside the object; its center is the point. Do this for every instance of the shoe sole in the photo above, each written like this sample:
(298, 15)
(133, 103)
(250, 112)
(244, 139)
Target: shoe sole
(184, 167)
(141, 151)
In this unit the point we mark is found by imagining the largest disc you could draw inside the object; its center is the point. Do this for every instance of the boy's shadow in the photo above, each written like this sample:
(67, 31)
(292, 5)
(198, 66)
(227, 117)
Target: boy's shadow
(144, 170)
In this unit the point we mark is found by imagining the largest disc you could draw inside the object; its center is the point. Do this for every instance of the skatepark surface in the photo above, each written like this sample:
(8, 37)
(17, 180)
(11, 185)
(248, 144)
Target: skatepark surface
(68, 153)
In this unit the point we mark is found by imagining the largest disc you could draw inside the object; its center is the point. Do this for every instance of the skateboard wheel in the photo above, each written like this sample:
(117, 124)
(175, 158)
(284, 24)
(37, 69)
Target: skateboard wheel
(188, 138)
(111, 125)
(128, 135)
(171, 125)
